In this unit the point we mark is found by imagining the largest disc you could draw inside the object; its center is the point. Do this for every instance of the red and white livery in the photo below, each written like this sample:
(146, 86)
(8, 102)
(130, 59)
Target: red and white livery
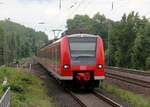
(75, 59)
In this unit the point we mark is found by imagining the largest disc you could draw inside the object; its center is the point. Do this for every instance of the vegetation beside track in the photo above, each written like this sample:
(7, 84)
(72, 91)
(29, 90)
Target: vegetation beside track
(26, 89)
(18, 41)
(126, 95)
(129, 38)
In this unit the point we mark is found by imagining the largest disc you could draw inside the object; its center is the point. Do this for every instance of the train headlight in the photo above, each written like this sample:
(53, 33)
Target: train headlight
(66, 66)
(100, 66)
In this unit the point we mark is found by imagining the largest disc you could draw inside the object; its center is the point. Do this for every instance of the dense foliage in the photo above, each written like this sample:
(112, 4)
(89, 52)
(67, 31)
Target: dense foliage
(17, 41)
(129, 38)
(27, 90)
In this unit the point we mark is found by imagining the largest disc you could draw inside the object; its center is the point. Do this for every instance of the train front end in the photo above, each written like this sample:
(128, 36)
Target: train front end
(86, 64)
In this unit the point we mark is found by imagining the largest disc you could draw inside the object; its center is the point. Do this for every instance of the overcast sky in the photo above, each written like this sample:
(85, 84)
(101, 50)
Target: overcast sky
(31, 12)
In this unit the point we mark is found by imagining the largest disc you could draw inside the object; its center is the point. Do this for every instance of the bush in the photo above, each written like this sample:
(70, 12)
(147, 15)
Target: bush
(148, 63)
(26, 89)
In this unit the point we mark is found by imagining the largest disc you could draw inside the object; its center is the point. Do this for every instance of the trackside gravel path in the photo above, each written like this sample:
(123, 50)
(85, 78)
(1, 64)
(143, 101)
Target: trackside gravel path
(59, 96)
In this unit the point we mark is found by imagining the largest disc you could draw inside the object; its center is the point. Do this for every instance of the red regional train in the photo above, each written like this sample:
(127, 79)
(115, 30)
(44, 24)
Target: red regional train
(76, 60)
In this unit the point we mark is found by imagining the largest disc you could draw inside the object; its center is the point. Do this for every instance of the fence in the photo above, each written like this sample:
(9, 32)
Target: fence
(5, 100)
(2, 65)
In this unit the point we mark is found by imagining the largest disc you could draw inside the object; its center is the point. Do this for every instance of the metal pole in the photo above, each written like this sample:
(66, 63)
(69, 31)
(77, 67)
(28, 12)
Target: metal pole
(60, 4)
(54, 34)
(30, 66)
(109, 30)
(108, 44)
(17, 66)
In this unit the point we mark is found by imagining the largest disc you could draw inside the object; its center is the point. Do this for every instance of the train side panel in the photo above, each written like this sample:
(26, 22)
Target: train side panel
(50, 57)
(99, 72)
(65, 59)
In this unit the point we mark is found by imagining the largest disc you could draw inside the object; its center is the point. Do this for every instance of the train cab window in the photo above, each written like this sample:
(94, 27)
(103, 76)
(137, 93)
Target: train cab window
(83, 50)
(77, 46)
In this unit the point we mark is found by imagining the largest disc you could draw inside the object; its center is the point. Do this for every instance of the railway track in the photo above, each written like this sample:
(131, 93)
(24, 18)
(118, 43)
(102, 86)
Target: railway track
(132, 71)
(133, 77)
(93, 99)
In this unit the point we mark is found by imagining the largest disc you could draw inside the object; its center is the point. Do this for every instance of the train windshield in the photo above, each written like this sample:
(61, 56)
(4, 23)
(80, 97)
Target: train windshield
(82, 50)
(82, 46)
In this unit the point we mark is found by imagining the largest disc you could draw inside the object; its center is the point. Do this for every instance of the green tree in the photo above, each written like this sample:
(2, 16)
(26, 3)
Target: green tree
(79, 22)
(1, 46)
(138, 55)
(101, 26)
(123, 36)
(19, 41)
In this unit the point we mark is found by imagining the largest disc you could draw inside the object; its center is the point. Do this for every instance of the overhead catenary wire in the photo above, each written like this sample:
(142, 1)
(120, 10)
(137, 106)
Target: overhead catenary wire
(59, 4)
(75, 8)
(75, 5)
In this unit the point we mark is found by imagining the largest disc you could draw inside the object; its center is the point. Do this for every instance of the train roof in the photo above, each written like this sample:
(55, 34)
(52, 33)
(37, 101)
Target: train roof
(50, 42)
(74, 31)
(72, 35)
(81, 35)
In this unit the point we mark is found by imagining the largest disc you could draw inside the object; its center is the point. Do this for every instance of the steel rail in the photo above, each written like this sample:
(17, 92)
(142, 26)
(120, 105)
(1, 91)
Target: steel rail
(132, 71)
(98, 93)
(77, 99)
(129, 80)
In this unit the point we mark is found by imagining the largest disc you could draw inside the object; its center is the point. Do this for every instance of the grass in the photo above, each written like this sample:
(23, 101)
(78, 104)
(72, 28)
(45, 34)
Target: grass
(26, 89)
(126, 95)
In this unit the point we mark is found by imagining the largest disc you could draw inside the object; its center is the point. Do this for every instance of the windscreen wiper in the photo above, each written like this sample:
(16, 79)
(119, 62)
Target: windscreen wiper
(84, 55)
